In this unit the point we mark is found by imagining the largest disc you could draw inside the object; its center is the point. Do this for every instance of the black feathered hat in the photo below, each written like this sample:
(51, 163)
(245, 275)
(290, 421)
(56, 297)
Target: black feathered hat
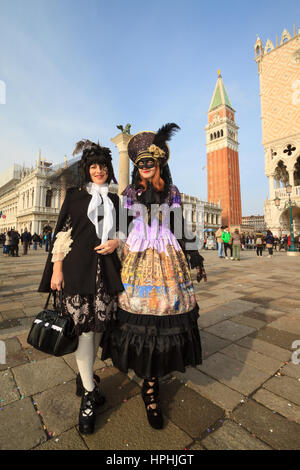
(94, 153)
(152, 144)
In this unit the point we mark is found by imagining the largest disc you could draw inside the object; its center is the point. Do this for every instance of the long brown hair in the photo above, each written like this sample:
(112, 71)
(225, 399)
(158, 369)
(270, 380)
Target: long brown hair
(157, 182)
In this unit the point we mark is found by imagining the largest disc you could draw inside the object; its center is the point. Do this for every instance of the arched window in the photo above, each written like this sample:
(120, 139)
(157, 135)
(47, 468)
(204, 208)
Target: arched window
(211, 137)
(48, 198)
(297, 172)
(281, 174)
(222, 133)
(218, 134)
(215, 135)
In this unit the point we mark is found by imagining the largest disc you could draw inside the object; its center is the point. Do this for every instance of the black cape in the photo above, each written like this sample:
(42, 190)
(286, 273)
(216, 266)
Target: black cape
(80, 264)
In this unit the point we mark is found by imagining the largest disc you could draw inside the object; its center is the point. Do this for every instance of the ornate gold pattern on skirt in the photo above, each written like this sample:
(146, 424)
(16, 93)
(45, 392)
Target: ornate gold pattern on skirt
(156, 283)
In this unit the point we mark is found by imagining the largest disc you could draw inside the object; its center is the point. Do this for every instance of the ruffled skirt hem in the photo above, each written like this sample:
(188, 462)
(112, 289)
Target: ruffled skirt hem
(153, 346)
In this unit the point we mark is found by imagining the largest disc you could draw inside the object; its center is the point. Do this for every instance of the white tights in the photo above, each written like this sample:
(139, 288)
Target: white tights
(85, 357)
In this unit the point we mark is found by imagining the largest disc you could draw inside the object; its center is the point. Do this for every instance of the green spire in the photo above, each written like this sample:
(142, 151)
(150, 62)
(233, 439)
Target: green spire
(220, 96)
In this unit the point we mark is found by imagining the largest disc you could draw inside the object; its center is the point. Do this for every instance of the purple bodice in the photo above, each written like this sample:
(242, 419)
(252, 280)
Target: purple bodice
(156, 236)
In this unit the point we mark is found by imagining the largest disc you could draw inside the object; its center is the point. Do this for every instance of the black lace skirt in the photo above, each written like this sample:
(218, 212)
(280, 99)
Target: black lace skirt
(153, 346)
(93, 312)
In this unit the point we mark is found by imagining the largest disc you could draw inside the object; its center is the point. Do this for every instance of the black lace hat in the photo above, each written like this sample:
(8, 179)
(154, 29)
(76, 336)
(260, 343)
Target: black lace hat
(94, 153)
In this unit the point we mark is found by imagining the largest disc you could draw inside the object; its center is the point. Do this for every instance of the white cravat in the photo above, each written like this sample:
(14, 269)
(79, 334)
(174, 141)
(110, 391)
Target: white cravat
(96, 191)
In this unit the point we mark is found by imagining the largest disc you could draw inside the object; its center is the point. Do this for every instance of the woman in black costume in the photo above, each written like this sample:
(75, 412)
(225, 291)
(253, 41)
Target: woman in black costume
(83, 264)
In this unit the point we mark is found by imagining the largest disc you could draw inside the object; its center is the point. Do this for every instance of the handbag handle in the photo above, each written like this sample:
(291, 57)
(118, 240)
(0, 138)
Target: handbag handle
(54, 299)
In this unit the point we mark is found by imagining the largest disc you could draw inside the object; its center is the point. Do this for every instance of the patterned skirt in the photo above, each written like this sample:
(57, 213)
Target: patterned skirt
(92, 312)
(156, 330)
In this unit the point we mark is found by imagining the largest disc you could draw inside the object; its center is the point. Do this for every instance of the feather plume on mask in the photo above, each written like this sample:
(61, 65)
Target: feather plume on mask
(164, 134)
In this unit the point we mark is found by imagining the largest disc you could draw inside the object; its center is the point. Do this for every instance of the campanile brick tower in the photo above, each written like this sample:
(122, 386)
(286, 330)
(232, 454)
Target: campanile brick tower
(223, 175)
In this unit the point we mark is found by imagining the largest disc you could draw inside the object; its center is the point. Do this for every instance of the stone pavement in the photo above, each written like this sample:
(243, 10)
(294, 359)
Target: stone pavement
(245, 395)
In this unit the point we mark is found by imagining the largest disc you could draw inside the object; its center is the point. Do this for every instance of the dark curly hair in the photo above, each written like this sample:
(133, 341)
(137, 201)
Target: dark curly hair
(93, 153)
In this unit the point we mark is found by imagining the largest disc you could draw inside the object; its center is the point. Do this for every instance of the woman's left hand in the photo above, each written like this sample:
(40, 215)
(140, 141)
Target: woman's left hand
(107, 248)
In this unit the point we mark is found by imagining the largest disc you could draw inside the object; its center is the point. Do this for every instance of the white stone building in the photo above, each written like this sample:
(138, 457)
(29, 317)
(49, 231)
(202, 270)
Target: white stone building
(201, 215)
(279, 75)
(31, 198)
(254, 223)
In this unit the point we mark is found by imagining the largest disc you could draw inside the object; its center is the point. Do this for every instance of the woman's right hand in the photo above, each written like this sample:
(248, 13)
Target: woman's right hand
(57, 280)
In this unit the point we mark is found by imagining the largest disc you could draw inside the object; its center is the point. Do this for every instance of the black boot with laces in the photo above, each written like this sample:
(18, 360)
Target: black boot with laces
(100, 398)
(150, 395)
(87, 413)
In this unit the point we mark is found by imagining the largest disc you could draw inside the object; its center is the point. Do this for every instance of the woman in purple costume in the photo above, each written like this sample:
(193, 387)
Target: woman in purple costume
(156, 329)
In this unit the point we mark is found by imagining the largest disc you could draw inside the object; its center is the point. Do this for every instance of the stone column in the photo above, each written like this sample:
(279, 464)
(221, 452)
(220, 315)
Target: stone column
(271, 187)
(291, 177)
(41, 198)
(35, 225)
(54, 197)
(121, 141)
(36, 196)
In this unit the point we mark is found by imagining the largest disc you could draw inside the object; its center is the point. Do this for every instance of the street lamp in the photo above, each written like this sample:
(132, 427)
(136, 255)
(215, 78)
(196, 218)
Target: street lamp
(289, 192)
(289, 204)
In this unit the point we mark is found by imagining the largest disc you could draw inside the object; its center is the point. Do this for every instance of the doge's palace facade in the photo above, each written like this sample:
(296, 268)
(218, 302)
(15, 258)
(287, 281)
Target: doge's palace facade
(279, 74)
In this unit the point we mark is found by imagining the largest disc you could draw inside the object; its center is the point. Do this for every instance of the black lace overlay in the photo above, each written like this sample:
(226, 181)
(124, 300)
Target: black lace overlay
(90, 312)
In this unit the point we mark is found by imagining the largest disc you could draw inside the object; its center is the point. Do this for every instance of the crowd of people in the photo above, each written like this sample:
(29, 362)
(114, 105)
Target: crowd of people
(230, 244)
(11, 240)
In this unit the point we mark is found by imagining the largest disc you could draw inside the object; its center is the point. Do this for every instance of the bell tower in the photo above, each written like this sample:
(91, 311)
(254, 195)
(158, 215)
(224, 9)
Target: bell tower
(223, 174)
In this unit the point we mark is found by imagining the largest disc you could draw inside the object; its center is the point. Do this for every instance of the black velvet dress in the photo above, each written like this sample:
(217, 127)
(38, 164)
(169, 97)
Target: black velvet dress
(92, 281)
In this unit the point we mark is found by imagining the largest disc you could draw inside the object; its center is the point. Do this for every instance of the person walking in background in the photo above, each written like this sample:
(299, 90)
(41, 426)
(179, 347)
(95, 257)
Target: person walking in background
(220, 241)
(276, 243)
(226, 237)
(15, 237)
(269, 243)
(236, 244)
(259, 241)
(25, 239)
(289, 241)
(35, 240)
(285, 242)
(7, 244)
(243, 241)
(47, 239)
(2, 239)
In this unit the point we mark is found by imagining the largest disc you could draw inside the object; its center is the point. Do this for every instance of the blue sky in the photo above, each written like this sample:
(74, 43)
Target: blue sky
(75, 69)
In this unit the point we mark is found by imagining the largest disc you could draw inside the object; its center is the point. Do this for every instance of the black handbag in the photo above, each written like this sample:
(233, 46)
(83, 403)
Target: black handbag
(53, 332)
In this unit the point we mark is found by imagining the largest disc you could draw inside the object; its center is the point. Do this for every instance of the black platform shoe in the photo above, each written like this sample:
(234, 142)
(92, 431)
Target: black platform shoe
(154, 415)
(100, 398)
(87, 413)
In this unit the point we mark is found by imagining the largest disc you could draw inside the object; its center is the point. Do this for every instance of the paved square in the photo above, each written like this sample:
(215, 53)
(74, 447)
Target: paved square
(245, 395)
